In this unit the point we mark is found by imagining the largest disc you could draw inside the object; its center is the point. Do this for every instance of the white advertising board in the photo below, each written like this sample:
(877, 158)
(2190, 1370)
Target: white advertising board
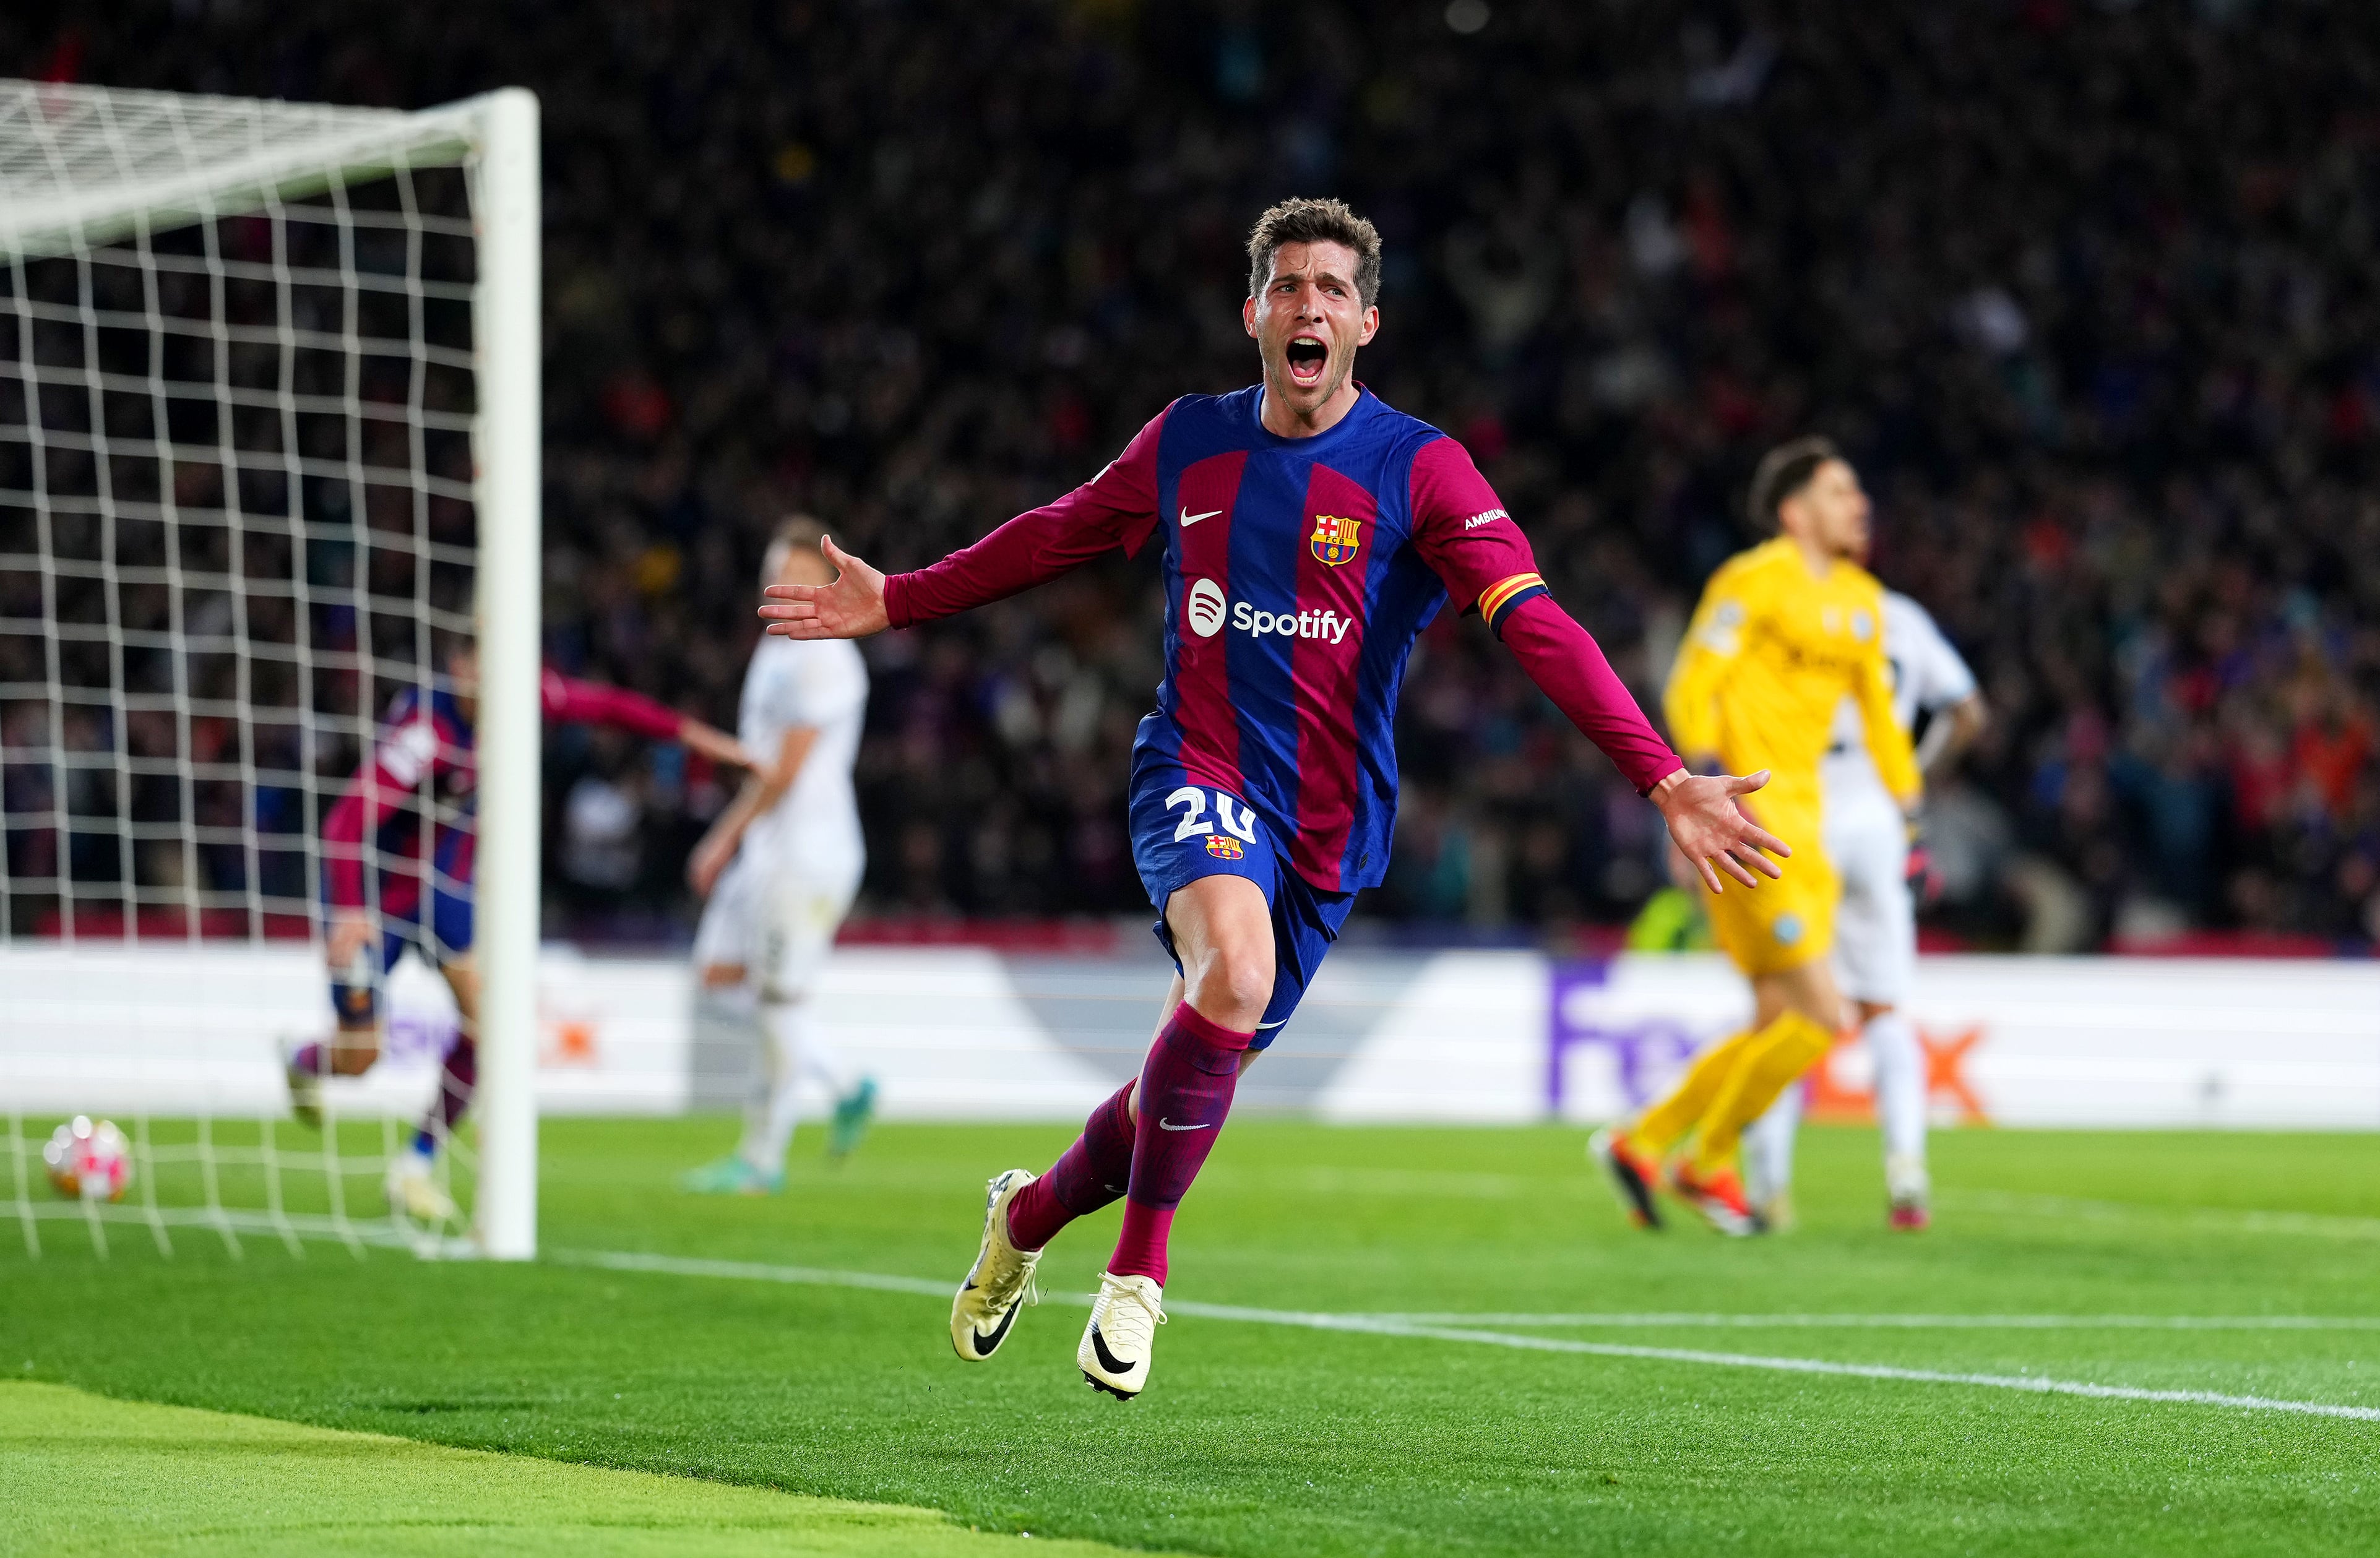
(960, 1033)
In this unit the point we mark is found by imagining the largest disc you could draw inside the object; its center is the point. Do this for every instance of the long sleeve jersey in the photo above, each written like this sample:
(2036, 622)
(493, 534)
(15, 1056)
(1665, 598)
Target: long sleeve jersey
(1772, 650)
(423, 764)
(1298, 572)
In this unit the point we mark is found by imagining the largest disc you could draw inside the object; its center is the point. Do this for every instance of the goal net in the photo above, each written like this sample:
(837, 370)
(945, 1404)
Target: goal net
(269, 466)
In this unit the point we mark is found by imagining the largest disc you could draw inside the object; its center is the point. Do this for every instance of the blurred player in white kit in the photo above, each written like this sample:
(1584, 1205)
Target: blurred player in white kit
(780, 868)
(1875, 928)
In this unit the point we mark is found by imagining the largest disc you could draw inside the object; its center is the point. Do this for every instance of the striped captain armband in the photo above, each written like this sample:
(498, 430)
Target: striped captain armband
(1500, 600)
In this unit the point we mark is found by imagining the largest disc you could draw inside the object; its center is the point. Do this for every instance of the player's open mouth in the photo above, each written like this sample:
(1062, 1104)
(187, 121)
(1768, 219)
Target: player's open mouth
(1306, 356)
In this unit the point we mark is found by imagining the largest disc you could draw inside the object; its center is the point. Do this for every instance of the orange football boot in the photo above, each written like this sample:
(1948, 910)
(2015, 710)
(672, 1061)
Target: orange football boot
(1631, 1173)
(1719, 1195)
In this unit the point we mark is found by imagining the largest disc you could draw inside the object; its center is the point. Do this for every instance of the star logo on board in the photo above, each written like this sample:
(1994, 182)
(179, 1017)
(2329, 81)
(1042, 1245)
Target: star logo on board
(1335, 539)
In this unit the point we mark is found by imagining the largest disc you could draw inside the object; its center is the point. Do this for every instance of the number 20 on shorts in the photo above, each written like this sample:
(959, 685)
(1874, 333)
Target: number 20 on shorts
(1239, 821)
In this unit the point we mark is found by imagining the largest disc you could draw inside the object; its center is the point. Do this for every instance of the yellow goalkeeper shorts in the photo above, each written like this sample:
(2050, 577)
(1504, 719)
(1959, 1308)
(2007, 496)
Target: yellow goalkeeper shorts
(1783, 924)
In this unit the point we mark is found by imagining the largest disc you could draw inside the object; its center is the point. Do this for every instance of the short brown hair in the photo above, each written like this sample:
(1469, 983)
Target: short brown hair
(1316, 221)
(1784, 471)
(795, 532)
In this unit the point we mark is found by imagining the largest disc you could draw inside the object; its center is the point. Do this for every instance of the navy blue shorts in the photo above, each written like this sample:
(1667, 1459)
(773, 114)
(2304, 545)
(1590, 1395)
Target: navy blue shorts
(1181, 831)
(445, 938)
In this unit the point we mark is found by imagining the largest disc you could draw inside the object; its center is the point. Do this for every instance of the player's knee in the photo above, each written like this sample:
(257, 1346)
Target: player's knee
(1235, 983)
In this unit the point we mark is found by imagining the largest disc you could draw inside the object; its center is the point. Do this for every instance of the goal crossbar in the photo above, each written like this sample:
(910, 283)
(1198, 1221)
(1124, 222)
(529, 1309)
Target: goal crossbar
(81, 164)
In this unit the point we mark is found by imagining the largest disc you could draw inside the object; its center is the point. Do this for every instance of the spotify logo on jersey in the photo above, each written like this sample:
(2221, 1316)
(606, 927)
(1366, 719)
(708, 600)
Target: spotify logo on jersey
(1204, 606)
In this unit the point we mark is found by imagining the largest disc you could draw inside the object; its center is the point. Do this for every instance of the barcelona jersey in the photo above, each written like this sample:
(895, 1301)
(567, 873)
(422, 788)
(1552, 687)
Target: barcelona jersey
(1298, 572)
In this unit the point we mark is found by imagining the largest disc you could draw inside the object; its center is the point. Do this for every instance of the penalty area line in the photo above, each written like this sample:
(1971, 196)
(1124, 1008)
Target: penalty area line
(1408, 1329)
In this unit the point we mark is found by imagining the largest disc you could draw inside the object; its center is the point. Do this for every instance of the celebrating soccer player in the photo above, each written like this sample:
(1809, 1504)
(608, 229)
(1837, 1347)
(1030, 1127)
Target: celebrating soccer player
(1308, 534)
(422, 774)
(1785, 633)
(1876, 934)
(779, 869)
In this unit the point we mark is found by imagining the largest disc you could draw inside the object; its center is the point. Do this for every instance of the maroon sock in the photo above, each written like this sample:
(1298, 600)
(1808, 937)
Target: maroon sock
(1185, 1091)
(1087, 1176)
(457, 1079)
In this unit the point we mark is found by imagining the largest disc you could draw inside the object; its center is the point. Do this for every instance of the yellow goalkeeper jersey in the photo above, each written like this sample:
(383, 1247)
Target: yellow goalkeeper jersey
(1771, 652)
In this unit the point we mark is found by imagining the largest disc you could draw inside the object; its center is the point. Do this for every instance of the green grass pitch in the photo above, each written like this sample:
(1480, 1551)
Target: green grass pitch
(1452, 1432)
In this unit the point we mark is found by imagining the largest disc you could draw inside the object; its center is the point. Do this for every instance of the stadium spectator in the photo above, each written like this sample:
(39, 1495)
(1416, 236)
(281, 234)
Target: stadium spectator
(2086, 288)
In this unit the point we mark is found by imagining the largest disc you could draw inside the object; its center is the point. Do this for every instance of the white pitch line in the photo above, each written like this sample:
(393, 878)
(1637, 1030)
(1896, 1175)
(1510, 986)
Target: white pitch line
(1400, 1326)
(753, 1271)
(1906, 1321)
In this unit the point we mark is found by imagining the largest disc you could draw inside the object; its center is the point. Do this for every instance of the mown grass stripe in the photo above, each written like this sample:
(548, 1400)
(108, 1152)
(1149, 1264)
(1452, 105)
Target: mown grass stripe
(1402, 1327)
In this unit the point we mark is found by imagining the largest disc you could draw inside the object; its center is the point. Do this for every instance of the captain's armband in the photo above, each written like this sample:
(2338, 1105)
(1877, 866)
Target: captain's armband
(1500, 599)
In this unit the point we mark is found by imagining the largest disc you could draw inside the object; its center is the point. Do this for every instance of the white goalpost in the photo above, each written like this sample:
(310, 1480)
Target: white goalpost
(270, 422)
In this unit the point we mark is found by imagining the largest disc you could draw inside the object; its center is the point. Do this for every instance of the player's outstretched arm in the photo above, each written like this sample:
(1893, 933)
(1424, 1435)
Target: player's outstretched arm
(570, 701)
(1711, 830)
(852, 606)
(1466, 536)
(1116, 509)
(1708, 826)
(715, 744)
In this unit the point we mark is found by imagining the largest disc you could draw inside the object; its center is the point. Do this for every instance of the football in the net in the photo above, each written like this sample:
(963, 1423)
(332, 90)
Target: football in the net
(92, 1162)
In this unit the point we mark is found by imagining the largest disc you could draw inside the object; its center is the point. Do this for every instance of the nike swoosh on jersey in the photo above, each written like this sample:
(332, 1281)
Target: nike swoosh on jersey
(1169, 1125)
(1189, 519)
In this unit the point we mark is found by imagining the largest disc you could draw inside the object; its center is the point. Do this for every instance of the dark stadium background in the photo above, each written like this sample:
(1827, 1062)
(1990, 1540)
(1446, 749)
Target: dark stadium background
(2086, 288)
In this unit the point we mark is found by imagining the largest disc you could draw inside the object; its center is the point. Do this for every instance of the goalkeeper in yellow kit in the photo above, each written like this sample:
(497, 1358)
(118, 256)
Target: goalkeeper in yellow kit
(1784, 632)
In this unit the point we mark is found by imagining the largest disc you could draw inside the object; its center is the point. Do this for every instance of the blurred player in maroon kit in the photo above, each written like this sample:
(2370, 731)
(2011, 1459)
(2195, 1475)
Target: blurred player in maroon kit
(423, 772)
(1308, 534)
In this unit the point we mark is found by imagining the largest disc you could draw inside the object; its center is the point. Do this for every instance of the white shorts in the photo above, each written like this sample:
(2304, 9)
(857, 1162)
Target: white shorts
(779, 925)
(1875, 926)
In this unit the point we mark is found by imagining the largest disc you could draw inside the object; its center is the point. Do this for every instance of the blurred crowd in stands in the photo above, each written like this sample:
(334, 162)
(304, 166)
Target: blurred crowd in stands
(2087, 287)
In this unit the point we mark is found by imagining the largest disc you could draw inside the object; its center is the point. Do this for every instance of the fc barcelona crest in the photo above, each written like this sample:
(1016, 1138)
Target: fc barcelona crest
(1335, 539)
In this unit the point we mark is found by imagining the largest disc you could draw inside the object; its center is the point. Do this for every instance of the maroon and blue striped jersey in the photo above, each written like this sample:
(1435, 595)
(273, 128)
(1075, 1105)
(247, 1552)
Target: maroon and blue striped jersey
(424, 764)
(1298, 572)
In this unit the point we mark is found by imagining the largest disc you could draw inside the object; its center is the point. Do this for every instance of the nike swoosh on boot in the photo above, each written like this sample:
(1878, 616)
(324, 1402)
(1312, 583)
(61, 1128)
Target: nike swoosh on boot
(1108, 1360)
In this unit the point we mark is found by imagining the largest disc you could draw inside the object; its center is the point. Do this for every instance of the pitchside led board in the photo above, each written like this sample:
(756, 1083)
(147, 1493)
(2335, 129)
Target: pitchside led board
(954, 1033)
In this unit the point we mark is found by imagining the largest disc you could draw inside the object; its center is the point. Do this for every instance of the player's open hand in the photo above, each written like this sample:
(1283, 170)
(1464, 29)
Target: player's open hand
(1712, 832)
(852, 606)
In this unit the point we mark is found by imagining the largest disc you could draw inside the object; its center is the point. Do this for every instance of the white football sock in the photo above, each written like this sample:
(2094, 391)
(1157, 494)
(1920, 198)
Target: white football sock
(823, 1064)
(770, 1116)
(729, 1003)
(1768, 1147)
(1899, 1094)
